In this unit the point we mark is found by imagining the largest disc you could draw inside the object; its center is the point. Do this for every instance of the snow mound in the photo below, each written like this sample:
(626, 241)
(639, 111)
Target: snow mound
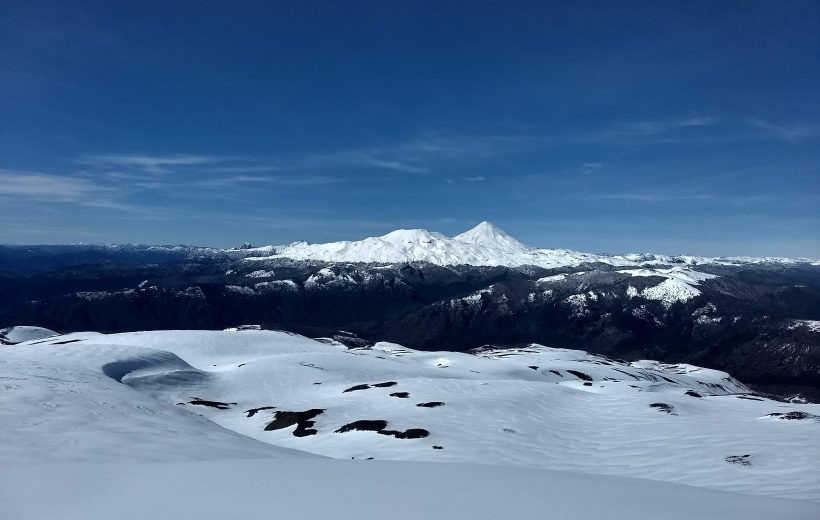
(22, 333)
(670, 291)
(682, 274)
(679, 285)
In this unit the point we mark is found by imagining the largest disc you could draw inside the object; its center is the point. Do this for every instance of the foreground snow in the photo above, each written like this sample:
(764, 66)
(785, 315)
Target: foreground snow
(188, 424)
(360, 490)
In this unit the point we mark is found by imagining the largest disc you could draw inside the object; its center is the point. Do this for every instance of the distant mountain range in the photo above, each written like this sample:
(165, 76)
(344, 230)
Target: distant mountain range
(483, 245)
(757, 318)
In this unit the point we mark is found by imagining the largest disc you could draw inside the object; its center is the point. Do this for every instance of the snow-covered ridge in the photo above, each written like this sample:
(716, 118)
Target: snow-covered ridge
(181, 396)
(679, 284)
(484, 245)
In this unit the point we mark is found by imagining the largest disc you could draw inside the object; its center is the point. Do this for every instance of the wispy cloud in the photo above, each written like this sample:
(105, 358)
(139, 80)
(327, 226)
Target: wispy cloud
(388, 158)
(420, 154)
(272, 180)
(155, 164)
(26, 188)
(660, 126)
(46, 187)
(452, 145)
(589, 168)
(395, 165)
(794, 132)
(474, 178)
(194, 176)
(366, 158)
(243, 168)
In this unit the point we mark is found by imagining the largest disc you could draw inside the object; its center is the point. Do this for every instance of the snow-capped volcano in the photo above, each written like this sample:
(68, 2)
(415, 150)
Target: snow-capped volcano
(489, 235)
(483, 245)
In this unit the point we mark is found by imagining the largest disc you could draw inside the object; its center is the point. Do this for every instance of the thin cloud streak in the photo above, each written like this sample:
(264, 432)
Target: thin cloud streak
(273, 180)
(46, 187)
(154, 164)
(26, 188)
(650, 128)
(428, 150)
(786, 132)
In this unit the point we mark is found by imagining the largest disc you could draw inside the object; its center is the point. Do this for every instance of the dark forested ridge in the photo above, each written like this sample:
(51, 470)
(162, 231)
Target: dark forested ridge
(759, 322)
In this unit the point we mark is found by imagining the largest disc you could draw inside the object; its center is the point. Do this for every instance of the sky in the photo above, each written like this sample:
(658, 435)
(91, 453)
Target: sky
(661, 126)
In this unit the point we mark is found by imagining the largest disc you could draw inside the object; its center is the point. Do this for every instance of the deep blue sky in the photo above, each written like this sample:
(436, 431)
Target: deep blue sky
(677, 127)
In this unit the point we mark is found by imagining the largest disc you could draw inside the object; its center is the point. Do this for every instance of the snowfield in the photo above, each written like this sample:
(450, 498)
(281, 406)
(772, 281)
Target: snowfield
(247, 423)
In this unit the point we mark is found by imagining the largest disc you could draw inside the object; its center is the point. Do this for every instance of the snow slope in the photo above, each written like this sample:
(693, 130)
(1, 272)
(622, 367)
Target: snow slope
(62, 402)
(484, 245)
(186, 396)
(360, 490)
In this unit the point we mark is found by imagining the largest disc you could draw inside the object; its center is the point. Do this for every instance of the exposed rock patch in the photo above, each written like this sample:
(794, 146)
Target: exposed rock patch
(743, 460)
(663, 407)
(580, 375)
(303, 420)
(355, 388)
(412, 433)
(253, 411)
(794, 416)
(749, 398)
(213, 404)
(363, 426)
(380, 426)
(365, 386)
